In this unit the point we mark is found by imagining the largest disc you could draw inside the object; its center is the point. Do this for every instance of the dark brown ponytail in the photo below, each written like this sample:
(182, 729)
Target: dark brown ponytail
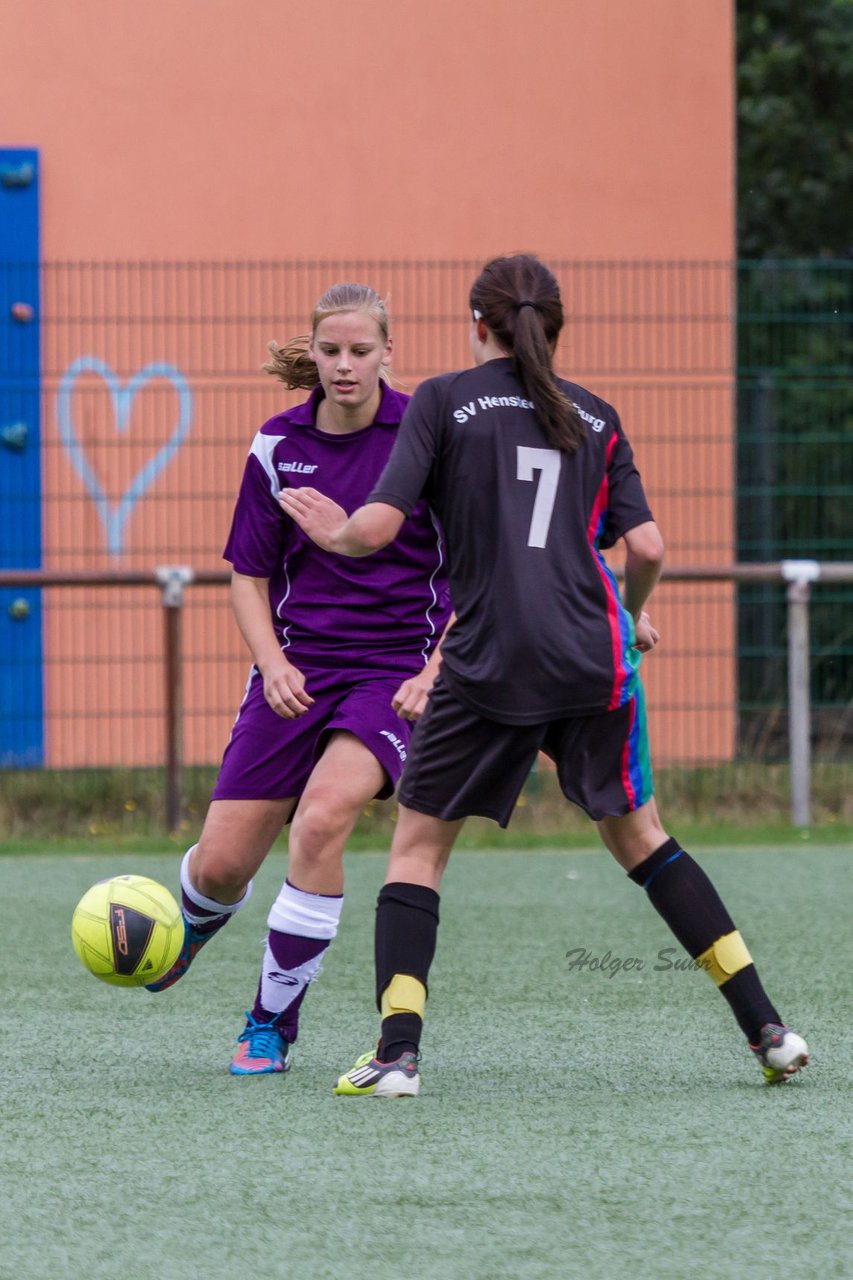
(519, 301)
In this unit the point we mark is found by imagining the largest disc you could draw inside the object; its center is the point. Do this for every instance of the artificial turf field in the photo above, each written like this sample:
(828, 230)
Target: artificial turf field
(572, 1122)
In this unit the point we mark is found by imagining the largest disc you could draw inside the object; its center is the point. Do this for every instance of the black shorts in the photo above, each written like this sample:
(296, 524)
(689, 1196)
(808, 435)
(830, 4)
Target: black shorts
(461, 765)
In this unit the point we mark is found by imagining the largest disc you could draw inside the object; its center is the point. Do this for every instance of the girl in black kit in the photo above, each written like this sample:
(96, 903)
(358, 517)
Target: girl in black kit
(531, 478)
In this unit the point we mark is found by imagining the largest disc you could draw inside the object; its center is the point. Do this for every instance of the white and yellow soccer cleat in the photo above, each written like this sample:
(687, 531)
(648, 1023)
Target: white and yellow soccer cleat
(372, 1078)
(781, 1053)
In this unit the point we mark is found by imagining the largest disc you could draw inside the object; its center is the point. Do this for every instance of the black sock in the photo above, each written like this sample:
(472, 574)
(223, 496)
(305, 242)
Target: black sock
(685, 898)
(406, 931)
(401, 1033)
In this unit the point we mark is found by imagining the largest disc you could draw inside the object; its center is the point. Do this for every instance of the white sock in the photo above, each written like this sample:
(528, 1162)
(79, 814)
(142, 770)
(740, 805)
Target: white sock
(198, 909)
(301, 927)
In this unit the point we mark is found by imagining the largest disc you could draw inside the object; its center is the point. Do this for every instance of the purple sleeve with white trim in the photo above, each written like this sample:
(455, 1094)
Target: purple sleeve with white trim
(258, 526)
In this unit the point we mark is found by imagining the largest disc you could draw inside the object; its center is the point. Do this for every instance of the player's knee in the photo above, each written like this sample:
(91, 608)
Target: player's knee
(218, 874)
(634, 836)
(321, 822)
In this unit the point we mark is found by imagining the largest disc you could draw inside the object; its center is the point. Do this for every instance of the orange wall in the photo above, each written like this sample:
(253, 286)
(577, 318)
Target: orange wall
(393, 128)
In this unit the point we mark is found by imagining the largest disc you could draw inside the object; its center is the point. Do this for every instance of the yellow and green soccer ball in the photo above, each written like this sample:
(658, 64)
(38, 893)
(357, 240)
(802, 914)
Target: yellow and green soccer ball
(127, 930)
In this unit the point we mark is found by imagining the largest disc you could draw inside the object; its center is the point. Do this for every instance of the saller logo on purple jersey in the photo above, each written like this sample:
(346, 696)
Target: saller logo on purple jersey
(306, 467)
(398, 746)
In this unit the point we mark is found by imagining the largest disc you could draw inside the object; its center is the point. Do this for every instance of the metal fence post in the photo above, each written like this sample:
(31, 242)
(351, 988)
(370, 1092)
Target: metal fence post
(799, 575)
(173, 579)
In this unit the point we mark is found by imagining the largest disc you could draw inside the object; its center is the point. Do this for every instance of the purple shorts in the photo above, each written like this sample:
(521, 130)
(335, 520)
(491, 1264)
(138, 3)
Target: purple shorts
(270, 758)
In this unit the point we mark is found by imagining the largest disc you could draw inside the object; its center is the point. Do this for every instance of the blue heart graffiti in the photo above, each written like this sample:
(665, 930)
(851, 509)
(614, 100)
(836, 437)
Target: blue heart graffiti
(114, 517)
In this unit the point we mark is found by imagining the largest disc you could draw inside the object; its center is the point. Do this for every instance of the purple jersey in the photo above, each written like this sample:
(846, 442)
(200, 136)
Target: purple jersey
(385, 610)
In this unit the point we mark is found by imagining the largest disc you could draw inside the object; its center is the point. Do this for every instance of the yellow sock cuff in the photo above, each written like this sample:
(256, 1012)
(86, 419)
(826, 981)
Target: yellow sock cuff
(404, 994)
(725, 958)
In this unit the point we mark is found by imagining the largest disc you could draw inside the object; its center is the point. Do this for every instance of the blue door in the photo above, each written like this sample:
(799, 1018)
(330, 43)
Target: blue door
(21, 676)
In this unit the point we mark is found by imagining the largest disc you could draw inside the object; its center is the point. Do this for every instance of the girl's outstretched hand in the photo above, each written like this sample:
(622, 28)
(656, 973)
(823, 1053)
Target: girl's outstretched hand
(316, 515)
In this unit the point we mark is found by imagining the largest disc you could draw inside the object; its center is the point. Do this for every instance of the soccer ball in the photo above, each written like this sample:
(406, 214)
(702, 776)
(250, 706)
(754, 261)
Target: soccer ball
(127, 930)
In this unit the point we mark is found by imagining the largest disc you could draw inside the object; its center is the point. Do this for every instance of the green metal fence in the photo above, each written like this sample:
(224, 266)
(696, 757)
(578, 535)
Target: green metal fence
(795, 486)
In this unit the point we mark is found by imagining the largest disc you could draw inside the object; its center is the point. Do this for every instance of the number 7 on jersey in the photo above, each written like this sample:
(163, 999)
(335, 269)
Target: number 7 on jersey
(547, 462)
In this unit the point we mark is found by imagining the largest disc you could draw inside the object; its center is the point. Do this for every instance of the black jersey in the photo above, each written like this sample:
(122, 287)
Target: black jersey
(541, 632)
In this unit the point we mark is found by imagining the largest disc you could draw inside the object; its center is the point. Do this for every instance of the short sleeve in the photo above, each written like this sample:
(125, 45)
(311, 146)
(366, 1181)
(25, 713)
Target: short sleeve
(257, 528)
(406, 477)
(627, 505)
